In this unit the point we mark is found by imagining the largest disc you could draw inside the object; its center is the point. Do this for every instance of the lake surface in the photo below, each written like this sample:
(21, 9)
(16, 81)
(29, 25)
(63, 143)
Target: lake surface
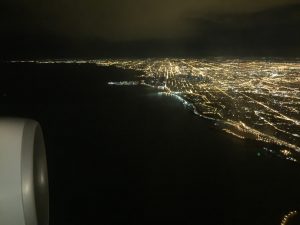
(127, 155)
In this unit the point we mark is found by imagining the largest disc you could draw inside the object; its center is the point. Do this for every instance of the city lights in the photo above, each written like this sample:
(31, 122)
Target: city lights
(252, 99)
(248, 99)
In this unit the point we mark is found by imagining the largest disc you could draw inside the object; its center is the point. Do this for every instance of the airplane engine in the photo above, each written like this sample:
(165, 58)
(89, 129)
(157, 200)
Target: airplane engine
(24, 198)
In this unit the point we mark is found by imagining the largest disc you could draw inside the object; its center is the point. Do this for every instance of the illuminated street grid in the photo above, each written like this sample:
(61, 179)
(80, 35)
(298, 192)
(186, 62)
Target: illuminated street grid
(248, 99)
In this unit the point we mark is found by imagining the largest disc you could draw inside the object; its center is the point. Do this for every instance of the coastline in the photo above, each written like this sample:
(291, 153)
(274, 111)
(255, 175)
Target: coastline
(139, 157)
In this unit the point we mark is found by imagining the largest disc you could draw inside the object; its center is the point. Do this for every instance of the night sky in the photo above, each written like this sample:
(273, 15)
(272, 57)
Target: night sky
(132, 28)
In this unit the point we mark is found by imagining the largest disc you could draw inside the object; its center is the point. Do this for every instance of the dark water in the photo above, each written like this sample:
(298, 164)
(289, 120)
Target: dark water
(125, 155)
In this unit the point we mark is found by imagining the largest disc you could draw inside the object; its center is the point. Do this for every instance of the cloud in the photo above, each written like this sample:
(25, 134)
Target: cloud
(119, 20)
(122, 28)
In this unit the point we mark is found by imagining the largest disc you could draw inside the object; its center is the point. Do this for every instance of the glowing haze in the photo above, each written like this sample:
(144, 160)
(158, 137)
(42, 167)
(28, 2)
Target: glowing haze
(121, 19)
(169, 27)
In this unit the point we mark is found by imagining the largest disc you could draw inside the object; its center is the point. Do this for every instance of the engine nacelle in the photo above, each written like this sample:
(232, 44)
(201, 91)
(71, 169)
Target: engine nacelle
(24, 197)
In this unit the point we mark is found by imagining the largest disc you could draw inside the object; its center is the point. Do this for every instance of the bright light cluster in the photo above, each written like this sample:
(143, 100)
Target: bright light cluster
(287, 217)
(252, 99)
(249, 99)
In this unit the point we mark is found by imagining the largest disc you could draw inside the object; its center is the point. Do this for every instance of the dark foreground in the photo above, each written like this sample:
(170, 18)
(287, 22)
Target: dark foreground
(125, 155)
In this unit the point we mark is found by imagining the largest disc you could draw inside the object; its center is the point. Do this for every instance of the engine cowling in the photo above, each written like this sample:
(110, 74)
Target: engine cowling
(24, 197)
